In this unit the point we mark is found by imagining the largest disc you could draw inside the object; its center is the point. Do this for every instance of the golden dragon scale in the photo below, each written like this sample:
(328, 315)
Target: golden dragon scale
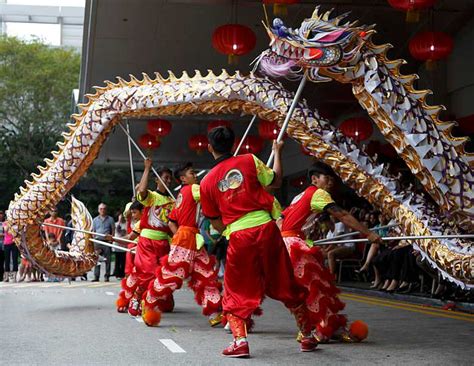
(218, 94)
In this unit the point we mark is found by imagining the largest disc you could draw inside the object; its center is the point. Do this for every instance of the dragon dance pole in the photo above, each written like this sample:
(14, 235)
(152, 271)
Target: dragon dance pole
(132, 174)
(413, 237)
(288, 115)
(245, 135)
(144, 158)
(88, 232)
(354, 233)
(111, 245)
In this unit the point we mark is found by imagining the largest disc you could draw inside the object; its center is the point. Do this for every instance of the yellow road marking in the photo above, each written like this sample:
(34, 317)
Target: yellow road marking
(403, 303)
(412, 309)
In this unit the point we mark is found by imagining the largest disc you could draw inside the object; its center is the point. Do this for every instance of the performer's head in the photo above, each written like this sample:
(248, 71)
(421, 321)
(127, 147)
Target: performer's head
(221, 140)
(136, 210)
(322, 176)
(185, 174)
(166, 176)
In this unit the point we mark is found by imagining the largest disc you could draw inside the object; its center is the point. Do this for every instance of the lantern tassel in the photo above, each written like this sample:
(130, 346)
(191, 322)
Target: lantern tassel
(413, 16)
(431, 65)
(280, 10)
(233, 59)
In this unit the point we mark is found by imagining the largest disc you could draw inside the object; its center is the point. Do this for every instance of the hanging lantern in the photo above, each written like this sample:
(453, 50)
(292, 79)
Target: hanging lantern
(358, 128)
(305, 150)
(158, 128)
(298, 182)
(431, 47)
(198, 143)
(217, 123)
(251, 145)
(148, 142)
(412, 7)
(269, 130)
(233, 40)
(280, 7)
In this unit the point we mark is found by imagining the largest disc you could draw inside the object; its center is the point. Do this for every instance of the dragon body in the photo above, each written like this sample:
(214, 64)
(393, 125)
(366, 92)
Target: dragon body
(254, 95)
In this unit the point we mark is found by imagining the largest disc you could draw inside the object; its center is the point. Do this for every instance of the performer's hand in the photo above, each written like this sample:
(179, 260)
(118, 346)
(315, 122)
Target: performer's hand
(277, 146)
(148, 163)
(374, 238)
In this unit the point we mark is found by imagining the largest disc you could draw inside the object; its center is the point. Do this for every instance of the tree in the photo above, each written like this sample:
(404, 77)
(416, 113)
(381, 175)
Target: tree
(36, 82)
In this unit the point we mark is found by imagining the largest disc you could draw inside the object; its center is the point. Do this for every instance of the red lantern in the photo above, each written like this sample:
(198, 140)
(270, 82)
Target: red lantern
(233, 40)
(412, 7)
(298, 182)
(217, 123)
(148, 142)
(431, 47)
(251, 145)
(357, 128)
(198, 143)
(280, 6)
(269, 130)
(158, 127)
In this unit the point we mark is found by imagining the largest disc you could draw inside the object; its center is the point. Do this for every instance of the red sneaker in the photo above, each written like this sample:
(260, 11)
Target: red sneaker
(237, 350)
(134, 308)
(308, 344)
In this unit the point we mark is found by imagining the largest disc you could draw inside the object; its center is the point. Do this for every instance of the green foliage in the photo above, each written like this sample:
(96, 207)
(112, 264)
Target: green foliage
(36, 82)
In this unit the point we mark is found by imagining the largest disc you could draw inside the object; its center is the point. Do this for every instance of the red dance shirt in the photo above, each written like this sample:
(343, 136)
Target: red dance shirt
(156, 212)
(185, 212)
(311, 200)
(235, 187)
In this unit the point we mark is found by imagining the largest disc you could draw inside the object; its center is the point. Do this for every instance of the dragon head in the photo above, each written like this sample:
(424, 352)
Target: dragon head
(319, 43)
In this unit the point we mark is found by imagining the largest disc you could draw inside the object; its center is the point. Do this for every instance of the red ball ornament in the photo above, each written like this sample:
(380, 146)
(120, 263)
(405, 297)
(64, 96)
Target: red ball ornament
(217, 123)
(251, 145)
(148, 142)
(431, 47)
(359, 330)
(233, 40)
(158, 127)
(412, 7)
(198, 143)
(357, 128)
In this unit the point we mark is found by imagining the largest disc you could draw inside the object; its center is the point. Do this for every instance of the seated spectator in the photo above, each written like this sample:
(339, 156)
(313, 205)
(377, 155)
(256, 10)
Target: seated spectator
(338, 251)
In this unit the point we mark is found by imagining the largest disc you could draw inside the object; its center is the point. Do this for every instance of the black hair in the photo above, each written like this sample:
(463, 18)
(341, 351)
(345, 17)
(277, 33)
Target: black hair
(163, 169)
(324, 217)
(181, 170)
(320, 168)
(221, 139)
(136, 206)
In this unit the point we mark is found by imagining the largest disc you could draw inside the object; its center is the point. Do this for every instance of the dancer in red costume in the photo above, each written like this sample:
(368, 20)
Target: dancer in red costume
(234, 198)
(308, 262)
(129, 283)
(153, 242)
(187, 258)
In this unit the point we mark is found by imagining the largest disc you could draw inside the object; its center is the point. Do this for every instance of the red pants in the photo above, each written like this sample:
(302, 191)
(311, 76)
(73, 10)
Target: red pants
(258, 264)
(129, 259)
(322, 302)
(185, 261)
(147, 258)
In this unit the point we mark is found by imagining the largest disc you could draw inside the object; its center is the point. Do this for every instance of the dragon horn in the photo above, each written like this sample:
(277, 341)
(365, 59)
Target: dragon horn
(326, 15)
(315, 14)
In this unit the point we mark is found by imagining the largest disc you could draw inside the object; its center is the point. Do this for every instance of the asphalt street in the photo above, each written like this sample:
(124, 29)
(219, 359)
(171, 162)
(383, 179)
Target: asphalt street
(76, 324)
